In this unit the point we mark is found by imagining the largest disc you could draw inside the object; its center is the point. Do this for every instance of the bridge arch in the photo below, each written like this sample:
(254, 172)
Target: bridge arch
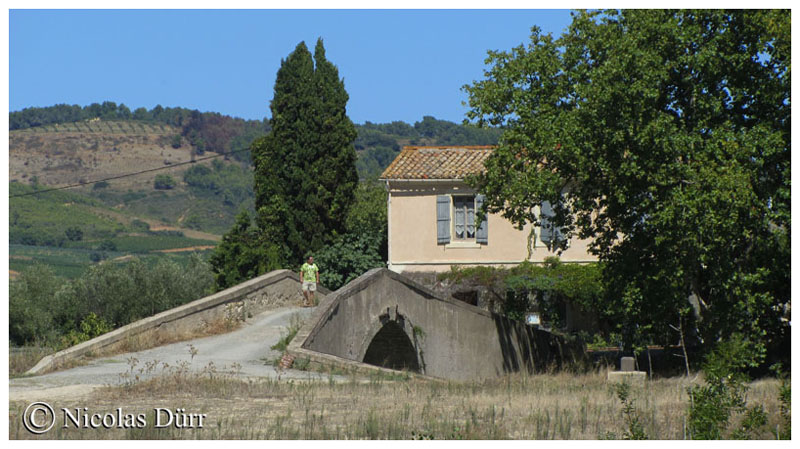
(391, 347)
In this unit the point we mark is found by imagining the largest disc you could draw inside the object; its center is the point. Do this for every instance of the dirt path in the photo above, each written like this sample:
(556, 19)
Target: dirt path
(243, 352)
(188, 248)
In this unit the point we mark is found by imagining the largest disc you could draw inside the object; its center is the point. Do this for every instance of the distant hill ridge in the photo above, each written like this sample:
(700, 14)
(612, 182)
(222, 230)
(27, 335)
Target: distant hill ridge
(376, 144)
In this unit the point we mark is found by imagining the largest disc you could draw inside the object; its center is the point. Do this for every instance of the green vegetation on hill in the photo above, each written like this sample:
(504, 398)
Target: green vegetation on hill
(66, 219)
(116, 126)
(71, 263)
(70, 232)
(231, 183)
(46, 218)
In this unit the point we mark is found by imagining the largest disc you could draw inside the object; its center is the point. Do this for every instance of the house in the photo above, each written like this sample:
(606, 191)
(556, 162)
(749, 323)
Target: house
(432, 217)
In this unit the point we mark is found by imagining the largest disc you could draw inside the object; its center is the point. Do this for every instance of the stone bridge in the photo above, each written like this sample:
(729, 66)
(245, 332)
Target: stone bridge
(383, 320)
(379, 321)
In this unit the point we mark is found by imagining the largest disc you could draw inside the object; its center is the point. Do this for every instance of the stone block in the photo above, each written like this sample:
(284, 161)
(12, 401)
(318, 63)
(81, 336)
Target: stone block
(627, 364)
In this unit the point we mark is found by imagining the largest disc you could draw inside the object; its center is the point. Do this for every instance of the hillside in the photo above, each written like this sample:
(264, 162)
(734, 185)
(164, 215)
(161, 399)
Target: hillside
(180, 205)
(78, 152)
(65, 154)
(70, 231)
(376, 144)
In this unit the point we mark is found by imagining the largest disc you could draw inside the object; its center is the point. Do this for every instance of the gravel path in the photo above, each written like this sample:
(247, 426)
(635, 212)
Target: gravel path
(243, 352)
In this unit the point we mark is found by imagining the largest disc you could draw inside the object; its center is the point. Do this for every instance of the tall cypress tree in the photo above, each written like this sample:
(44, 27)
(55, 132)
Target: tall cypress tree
(305, 173)
(335, 162)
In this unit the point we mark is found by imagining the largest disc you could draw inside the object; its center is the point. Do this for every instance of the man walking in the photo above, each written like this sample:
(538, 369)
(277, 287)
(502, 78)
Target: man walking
(309, 275)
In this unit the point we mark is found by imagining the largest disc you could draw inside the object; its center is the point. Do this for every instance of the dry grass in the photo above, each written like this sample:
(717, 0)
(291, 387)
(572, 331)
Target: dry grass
(24, 358)
(551, 406)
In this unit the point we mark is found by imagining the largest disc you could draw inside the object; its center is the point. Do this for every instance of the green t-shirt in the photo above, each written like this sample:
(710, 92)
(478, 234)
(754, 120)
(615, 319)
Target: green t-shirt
(309, 272)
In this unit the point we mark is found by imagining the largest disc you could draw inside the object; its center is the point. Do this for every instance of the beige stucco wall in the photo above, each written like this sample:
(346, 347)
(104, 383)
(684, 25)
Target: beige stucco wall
(412, 234)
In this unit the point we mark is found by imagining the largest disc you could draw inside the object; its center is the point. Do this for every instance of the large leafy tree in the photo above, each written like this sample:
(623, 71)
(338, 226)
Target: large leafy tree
(664, 136)
(305, 174)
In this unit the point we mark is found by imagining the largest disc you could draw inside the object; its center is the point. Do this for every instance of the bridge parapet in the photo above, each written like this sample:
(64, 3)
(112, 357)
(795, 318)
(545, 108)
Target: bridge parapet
(238, 303)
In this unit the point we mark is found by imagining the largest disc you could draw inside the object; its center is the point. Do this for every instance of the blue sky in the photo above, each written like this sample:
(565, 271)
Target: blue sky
(397, 65)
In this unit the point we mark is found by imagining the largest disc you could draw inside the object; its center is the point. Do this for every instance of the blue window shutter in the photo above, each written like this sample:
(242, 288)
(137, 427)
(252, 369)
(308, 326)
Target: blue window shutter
(443, 219)
(482, 234)
(546, 233)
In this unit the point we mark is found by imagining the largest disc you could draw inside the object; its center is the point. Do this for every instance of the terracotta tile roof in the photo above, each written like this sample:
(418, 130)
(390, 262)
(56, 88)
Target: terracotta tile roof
(445, 162)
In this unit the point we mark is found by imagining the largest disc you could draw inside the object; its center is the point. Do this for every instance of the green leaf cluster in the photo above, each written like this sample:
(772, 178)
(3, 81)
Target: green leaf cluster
(46, 309)
(663, 136)
(348, 257)
(242, 255)
(551, 283)
(164, 182)
(725, 393)
(363, 246)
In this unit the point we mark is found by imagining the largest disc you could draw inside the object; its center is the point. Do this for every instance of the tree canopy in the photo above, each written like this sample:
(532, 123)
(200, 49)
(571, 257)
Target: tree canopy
(305, 174)
(664, 136)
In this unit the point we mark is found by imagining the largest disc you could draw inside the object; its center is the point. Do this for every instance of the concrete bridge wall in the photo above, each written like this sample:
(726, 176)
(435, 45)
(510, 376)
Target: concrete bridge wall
(449, 339)
(238, 303)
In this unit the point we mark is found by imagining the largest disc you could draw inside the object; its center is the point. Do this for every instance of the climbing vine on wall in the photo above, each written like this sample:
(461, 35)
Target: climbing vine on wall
(511, 288)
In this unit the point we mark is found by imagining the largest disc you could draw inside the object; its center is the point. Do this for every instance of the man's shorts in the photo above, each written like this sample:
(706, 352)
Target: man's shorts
(309, 286)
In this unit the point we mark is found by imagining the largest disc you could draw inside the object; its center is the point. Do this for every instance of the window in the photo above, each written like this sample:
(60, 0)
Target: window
(456, 216)
(463, 217)
(550, 235)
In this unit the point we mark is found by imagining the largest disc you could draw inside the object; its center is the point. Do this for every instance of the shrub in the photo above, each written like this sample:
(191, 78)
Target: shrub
(107, 245)
(551, 283)
(786, 409)
(74, 233)
(347, 258)
(44, 308)
(176, 141)
(242, 255)
(164, 182)
(635, 429)
(30, 305)
(90, 327)
(724, 393)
